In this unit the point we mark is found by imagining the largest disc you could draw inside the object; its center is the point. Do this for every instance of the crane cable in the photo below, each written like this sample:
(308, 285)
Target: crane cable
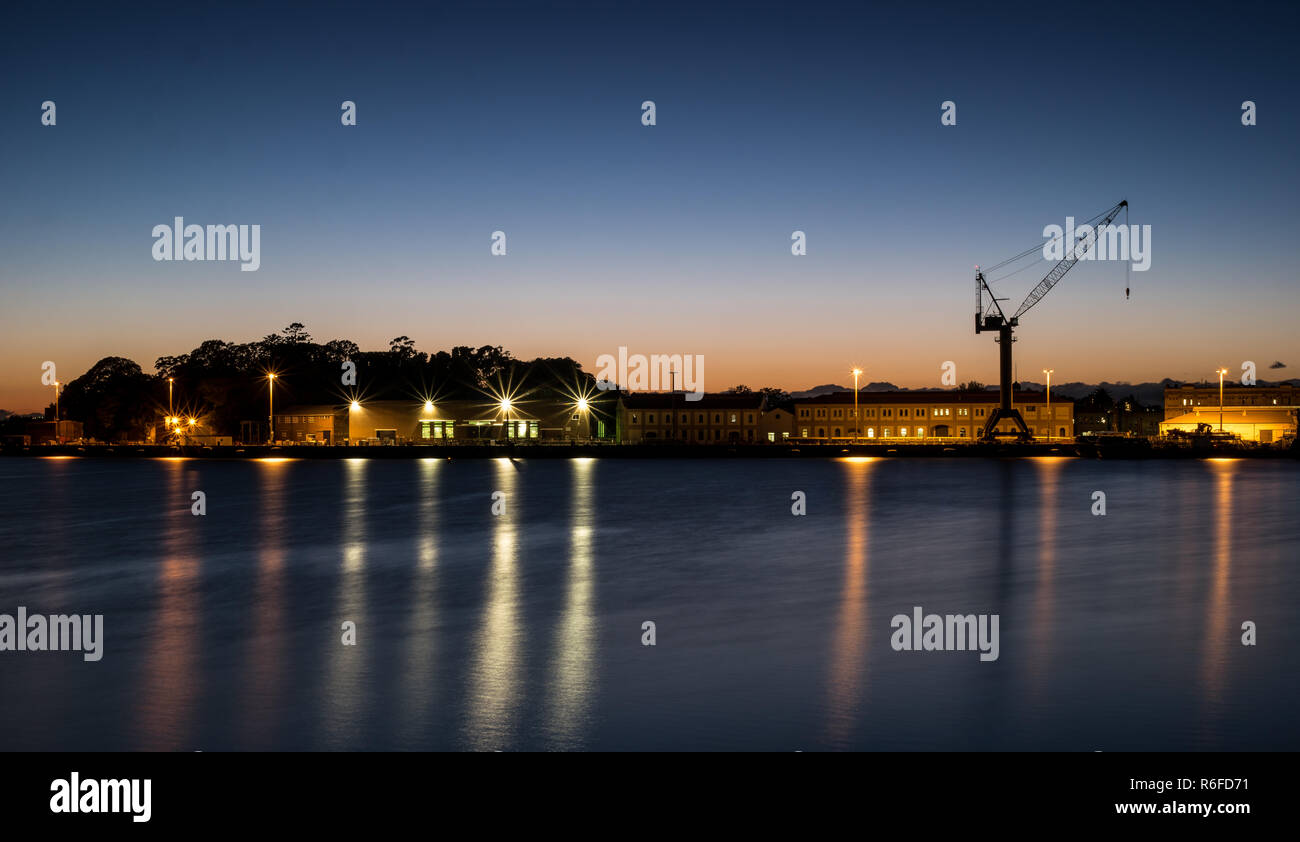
(1127, 263)
(1039, 247)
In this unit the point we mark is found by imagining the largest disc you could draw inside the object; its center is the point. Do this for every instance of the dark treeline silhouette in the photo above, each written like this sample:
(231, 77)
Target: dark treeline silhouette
(224, 383)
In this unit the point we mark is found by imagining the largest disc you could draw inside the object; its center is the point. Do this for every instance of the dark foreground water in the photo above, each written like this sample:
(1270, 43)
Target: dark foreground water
(524, 631)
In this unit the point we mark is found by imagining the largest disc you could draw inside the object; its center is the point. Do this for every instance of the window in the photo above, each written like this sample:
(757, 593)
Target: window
(902, 413)
(821, 413)
(717, 418)
(963, 432)
(902, 432)
(636, 419)
(650, 419)
(803, 413)
(963, 412)
(871, 432)
(749, 419)
(920, 432)
(803, 433)
(734, 416)
(837, 413)
(771, 437)
(885, 432)
(700, 418)
(920, 413)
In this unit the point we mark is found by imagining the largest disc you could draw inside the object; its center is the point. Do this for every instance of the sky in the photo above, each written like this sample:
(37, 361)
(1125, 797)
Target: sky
(673, 238)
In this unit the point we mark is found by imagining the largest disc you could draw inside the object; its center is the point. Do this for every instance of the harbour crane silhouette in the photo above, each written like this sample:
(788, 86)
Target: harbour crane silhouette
(992, 318)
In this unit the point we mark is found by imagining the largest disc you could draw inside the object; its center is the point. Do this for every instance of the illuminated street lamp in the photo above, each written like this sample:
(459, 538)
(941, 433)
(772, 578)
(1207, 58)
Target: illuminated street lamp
(1048, 372)
(428, 406)
(505, 407)
(857, 421)
(1222, 372)
(270, 395)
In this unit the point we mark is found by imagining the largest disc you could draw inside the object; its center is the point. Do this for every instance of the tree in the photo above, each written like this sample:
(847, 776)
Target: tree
(971, 386)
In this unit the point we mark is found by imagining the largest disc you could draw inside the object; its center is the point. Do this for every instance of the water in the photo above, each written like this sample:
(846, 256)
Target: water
(523, 631)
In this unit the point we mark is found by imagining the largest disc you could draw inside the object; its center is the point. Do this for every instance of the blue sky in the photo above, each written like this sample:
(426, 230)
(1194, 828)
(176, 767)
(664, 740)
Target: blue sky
(666, 239)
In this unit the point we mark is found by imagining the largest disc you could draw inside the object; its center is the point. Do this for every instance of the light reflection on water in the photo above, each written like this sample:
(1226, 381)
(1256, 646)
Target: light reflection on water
(522, 631)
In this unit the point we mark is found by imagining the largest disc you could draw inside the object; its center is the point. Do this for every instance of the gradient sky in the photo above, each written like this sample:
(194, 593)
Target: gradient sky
(668, 239)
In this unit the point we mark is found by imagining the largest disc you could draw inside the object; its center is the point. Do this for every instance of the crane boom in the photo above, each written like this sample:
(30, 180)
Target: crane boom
(993, 318)
(1073, 256)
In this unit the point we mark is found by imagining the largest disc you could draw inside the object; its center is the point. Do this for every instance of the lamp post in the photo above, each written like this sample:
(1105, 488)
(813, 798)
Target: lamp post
(584, 407)
(505, 407)
(1048, 372)
(1222, 372)
(857, 421)
(170, 411)
(270, 395)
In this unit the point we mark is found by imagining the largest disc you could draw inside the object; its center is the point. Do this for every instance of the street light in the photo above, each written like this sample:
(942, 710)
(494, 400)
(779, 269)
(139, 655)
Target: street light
(1222, 372)
(1048, 372)
(270, 395)
(505, 407)
(170, 410)
(857, 422)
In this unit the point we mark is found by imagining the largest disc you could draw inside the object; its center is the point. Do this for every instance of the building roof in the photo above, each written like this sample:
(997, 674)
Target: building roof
(679, 400)
(1234, 415)
(922, 397)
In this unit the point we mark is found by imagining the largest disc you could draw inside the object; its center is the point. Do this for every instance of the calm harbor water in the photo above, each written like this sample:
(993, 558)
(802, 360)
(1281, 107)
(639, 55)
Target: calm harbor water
(523, 631)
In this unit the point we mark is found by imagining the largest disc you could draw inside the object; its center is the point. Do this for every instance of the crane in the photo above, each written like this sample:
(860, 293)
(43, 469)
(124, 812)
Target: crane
(986, 319)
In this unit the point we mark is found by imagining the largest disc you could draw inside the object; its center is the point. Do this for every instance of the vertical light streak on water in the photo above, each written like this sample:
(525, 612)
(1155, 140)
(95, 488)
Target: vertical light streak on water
(1043, 613)
(1219, 638)
(265, 661)
(847, 689)
(345, 685)
(170, 689)
(573, 659)
(418, 691)
(495, 689)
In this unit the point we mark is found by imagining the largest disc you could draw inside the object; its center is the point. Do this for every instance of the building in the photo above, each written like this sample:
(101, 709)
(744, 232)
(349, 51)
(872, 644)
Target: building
(777, 426)
(1263, 424)
(1180, 400)
(1098, 413)
(441, 422)
(318, 424)
(716, 418)
(925, 415)
(54, 432)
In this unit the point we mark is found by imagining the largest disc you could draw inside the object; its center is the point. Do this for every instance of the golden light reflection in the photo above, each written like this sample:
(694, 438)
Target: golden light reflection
(573, 661)
(170, 693)
(1044, 607)
(494, 677)
(1219, 639)
(418, 681)
(852, 635)
(345, 683)
(265, 661)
